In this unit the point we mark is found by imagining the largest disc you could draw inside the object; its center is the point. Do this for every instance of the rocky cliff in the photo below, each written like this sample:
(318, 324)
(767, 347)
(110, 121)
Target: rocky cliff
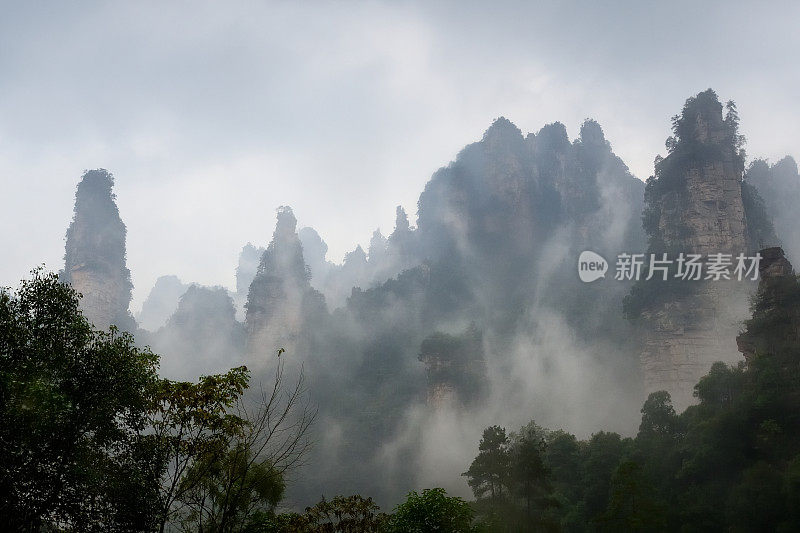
(94, 262)
(694, 206)
(455, 368)
(280, 299)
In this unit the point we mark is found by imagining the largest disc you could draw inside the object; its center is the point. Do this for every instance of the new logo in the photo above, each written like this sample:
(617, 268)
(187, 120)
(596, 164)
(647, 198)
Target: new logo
(591, 266)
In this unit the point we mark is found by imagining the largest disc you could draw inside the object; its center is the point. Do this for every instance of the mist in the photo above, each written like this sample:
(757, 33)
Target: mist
(387, 202)
(491, 261)
(474, 317)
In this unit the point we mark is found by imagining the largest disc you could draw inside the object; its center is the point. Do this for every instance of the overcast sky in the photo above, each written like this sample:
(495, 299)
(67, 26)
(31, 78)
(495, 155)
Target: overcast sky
(213, 114)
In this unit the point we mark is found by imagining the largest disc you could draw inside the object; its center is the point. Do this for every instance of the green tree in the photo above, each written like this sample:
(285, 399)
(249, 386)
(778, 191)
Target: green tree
(73, 404)
(657, 446)
(757, 502)
(631, 505)
(433, 510)
(658, 415)
(532, 480)
(490, 470)
(92, 440)
(192, 424)
(342, 514)
(562, 457)
(238, 476)
(602, 454)
(226, 492)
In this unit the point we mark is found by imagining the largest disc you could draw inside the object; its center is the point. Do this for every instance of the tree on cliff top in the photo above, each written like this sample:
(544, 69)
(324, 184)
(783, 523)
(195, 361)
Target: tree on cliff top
(700, 134)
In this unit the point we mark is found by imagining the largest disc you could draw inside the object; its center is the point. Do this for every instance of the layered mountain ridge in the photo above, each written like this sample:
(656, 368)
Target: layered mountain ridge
(478, 312)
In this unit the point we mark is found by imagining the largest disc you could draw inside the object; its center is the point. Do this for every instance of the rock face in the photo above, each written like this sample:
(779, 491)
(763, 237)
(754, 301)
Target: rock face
(280, 298)
(712, 218)
(506, 222)
(455, 368)
(694, 206)
(685, 337)
(314, 253)
(773, 265)
(94, 262)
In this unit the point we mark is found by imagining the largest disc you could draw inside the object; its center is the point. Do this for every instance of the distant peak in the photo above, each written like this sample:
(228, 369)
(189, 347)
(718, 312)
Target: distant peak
(356, 256)
(287, 223)
(552, 136)
(97, 181)
(98, 175)
(312, 240)
(758, 171)
(377, 244)
(502, 129)
(401, 219)
(787, 164)
(591, 132)
(168, 280)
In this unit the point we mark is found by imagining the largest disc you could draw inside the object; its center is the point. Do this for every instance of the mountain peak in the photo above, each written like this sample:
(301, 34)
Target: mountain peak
(700, 119)
(401, 224)
(94, 258)
(287, 223)
(502, 129)
(552, 137)
(592, 133)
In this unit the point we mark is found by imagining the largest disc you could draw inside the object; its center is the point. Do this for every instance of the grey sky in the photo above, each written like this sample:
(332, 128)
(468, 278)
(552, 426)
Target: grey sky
(212, 114)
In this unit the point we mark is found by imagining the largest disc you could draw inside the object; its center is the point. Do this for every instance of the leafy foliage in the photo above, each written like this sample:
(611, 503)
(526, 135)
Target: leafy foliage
(192, 426)
(488, 475)
(512, 481)
(93, 440)
(729, 463)
(432, 510)
(73, 405)
(227, 492)
(342, 514)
